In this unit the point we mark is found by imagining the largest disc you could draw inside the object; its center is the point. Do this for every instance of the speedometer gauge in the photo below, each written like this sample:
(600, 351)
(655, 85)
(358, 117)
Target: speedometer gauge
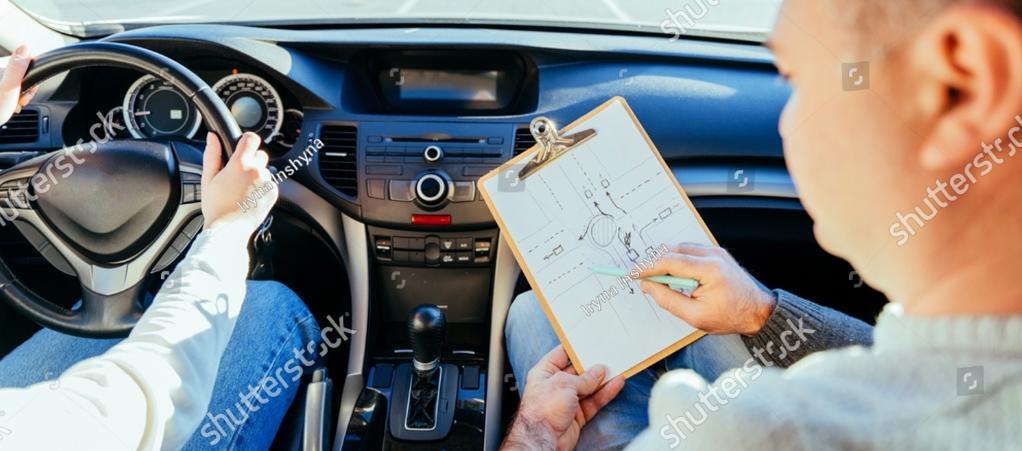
(153, 108)
(253, 102)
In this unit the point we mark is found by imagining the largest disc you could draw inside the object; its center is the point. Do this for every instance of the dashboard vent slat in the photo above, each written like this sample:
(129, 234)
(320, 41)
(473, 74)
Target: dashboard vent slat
(338, 159)
(523, 140)
(22, 128)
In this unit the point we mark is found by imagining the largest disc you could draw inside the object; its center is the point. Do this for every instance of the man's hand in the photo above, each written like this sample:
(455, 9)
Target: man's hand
(557, 402)
(11, 99)
(727, 300)
(223, 189)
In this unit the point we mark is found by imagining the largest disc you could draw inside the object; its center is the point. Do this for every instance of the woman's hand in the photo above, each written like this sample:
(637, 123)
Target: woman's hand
(11, 99)
(225, 190)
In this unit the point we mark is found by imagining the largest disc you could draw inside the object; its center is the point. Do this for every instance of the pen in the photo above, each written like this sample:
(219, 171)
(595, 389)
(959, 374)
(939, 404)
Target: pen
(671, 281)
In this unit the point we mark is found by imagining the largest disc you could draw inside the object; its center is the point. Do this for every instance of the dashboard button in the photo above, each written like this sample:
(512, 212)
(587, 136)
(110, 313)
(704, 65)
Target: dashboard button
(495, 141)
(482, 251)
(463, 244)
(181, 242)
(377, 188)
(431, 189)
(463, 257)
(384, 170)
(401, 242)
(401, 190)
(464, 192)
(168, 257)
(416, 244)
(401, 256)
(384, 247)
(476, 171)
(433, 154)
(447, 244)
(447, 258)
(188, 195)
(193, 227)
(417, 257)
(432, 250)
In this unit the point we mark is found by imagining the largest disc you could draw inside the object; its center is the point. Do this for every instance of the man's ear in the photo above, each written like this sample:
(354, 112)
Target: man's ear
(967, 63)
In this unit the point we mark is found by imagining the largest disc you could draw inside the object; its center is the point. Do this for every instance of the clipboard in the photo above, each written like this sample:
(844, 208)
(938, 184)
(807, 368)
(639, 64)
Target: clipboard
(606, 150)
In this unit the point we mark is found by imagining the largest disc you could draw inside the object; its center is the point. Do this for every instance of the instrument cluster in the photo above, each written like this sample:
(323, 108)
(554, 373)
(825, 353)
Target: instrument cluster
(153, 108)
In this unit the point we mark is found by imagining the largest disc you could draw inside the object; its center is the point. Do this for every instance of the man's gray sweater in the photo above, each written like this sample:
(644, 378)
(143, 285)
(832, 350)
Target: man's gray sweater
(925, 383)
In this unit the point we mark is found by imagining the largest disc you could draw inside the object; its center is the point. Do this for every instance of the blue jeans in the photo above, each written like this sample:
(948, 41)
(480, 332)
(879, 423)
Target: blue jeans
(530, 336)
(272, 324)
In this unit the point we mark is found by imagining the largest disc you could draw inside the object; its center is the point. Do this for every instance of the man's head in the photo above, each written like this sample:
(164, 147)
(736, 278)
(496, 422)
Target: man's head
(943, 77)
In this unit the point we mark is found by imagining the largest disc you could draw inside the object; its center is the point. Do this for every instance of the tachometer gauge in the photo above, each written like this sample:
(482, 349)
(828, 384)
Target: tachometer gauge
(253, 102)
(153, 108)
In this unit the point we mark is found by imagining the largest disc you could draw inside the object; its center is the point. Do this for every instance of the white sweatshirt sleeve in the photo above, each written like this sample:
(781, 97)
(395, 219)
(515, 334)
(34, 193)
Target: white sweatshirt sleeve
(151, 390)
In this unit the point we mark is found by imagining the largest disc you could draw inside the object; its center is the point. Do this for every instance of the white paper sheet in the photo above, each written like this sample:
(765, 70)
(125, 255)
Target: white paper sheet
(607, 202)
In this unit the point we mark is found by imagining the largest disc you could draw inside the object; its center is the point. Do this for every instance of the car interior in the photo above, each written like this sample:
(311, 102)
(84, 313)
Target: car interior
(382, 129)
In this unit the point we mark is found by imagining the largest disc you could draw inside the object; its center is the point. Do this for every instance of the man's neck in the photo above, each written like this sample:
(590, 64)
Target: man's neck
(975, 283)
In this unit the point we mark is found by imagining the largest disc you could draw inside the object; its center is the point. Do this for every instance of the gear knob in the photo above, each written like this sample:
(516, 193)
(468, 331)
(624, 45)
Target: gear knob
(426, 329)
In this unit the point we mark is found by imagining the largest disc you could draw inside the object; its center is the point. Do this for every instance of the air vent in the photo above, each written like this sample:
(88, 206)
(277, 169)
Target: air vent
(22, 128)
(338, 162)
(523, 140)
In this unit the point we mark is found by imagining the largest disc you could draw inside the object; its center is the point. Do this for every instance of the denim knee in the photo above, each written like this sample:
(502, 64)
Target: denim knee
(269, 303)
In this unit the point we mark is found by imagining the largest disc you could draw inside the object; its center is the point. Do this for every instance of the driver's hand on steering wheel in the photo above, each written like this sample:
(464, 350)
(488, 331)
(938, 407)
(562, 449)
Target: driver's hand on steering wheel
(224, 188)
(11, 99)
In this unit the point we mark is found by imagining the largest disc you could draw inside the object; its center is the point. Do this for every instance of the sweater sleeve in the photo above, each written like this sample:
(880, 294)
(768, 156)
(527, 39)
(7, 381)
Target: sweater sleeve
(151, 390)
(799, 327)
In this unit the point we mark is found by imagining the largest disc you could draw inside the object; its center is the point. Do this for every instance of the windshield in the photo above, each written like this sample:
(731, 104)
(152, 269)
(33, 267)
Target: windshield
(749, 20)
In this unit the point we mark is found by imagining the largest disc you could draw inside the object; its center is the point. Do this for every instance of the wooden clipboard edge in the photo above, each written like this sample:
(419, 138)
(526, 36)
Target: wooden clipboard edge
(689, 339)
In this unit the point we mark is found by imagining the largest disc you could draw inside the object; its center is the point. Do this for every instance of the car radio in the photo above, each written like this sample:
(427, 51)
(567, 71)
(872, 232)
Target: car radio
(424, 174)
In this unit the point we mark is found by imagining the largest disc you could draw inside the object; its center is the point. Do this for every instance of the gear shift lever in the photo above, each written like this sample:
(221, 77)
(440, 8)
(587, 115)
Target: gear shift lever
(425, 391)
(426, 329)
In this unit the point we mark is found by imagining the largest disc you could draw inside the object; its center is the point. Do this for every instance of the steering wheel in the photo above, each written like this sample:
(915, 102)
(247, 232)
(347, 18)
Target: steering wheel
(123, 211)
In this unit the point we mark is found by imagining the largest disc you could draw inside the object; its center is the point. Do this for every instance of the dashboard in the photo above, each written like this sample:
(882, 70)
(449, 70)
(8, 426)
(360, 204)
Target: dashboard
(398, 125)
(133, 105)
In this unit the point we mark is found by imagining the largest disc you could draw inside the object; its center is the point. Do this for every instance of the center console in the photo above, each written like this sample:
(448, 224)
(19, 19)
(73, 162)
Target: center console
(431, 367)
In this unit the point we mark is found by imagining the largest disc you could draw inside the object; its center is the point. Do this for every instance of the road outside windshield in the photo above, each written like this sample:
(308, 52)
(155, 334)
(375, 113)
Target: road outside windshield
(674, 18)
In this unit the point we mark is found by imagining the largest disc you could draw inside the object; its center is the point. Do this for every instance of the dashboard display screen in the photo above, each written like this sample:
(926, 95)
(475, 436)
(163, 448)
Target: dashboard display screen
(450, 85)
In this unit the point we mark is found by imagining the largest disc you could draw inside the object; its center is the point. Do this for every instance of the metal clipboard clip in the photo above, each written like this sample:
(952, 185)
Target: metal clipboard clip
(551, 145)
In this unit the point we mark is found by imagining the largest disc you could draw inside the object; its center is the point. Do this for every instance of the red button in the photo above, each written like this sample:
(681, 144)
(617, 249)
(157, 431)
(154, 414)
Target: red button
(433, 220)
